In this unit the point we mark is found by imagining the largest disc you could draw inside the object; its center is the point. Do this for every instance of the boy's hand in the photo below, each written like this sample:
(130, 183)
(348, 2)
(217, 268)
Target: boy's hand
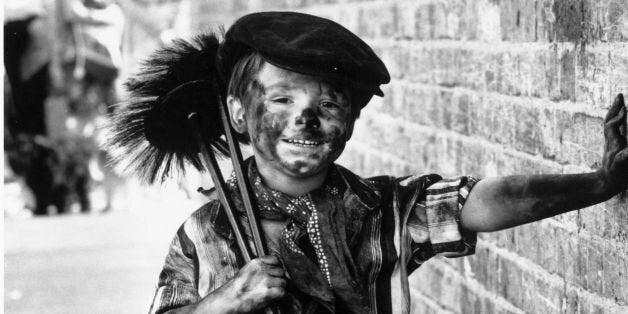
(257, 284)
(614, 171)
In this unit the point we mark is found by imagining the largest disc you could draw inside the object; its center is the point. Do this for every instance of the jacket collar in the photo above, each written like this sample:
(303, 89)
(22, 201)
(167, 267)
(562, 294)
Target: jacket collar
(357, 192)
(359, 189)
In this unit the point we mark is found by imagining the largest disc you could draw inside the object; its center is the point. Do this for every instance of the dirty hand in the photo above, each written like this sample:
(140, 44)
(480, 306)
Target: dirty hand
(257, 284)
(614, 171)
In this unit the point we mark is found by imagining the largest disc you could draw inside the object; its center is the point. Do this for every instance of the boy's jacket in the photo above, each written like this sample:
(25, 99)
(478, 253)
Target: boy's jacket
(383, 228)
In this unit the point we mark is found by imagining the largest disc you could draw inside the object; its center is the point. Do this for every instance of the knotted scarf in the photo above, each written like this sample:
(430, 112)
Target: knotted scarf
(313, 244)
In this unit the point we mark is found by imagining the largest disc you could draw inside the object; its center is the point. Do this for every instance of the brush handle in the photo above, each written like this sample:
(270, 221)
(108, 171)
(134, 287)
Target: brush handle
(226, 204)
(245, 188)
(209, 159)
(243, 183)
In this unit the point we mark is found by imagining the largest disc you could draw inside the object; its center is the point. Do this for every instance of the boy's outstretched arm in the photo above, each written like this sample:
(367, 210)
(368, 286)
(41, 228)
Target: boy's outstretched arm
(504, 202)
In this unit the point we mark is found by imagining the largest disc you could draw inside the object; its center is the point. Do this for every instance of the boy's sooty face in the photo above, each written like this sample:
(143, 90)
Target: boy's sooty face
(297, 124)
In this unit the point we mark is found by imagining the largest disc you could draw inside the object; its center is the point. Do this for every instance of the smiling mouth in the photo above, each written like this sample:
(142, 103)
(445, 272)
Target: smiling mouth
(303, 143)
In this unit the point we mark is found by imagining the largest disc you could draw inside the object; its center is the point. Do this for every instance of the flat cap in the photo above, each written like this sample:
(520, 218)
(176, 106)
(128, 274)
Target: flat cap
(305, 44)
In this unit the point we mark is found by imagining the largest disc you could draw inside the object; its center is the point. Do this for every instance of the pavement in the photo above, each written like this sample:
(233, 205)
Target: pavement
(91, 263)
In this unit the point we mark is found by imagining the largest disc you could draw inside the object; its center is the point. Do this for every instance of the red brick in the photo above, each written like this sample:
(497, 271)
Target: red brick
(592, 220)
(546, 295)
(608, 20)
(467, 156)
(616, 272)
(530, 129)
(537, 292)
(470, 301)
(615, 215)
(520, 20)
(456, 112)
(546, 253)
(581, 261)
(539, 71)
(377, 20)
(519, 286)
(436, 275)
(568, 74)
(569, 25)
(432, 21)
(602, 73)
(571, 301)
(422, 304)
(592, 263)
(453, 293)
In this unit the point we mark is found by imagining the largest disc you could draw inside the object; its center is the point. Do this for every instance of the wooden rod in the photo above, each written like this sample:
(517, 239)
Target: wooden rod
(243, 183)
(209, 158)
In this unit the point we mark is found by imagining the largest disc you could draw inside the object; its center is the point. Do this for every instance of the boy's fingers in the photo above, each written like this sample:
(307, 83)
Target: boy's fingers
(616, 127)
(276, 292)
(275, 282)
(270, 260)
(275, 271)
(622, 157)
(620, 117)
(618, 103)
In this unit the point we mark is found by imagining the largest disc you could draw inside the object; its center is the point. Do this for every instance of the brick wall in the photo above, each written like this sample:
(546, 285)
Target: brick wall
(493, 88)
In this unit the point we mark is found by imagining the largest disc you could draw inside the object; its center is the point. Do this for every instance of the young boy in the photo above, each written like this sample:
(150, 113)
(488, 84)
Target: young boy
(340, 243)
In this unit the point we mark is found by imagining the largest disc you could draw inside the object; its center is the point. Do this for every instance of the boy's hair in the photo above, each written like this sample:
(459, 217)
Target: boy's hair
(244, 76)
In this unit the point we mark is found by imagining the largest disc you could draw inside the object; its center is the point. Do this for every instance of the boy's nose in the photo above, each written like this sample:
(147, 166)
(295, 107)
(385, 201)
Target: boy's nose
(308, 119)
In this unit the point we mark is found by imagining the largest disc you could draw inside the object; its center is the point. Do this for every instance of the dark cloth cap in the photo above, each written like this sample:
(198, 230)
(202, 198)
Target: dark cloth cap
(305, 44)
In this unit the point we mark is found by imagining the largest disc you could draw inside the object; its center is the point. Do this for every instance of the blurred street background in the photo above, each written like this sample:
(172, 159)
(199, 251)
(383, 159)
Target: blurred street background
(79, 235)
(91, 263)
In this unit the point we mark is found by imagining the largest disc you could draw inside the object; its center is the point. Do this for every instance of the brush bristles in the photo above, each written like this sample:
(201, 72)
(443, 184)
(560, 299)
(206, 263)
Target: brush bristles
(151, 132)
(130, 147)
(176, 64)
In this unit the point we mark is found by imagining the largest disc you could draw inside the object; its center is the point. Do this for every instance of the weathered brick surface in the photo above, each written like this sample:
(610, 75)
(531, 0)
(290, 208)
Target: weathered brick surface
(489, 88)
(557, 71)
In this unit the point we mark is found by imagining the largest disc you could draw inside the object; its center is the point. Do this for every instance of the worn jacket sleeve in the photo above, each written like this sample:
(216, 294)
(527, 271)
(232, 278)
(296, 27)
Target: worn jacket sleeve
(177, 281)
(200, 259)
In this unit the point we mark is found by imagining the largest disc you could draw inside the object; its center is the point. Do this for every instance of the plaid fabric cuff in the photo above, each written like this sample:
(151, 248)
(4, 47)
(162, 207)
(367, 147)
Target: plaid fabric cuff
(435, 227)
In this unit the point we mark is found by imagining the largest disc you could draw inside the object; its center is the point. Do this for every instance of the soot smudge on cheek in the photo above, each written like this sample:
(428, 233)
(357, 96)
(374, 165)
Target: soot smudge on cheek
(256, 92)
(267, 129)
(272, 125)
(337, 137)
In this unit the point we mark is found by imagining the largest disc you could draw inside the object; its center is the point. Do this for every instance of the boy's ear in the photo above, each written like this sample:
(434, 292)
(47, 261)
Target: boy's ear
(350, 129)
(237, 112)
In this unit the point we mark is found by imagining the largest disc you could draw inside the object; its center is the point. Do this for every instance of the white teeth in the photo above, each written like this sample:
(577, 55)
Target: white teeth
(303, 142)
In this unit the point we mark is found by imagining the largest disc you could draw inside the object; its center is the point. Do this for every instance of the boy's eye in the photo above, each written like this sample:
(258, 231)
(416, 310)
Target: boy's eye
(282, 100)
(329, 104)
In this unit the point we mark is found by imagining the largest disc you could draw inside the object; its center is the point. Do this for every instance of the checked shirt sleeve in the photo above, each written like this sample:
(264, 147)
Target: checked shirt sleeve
(434, 225)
